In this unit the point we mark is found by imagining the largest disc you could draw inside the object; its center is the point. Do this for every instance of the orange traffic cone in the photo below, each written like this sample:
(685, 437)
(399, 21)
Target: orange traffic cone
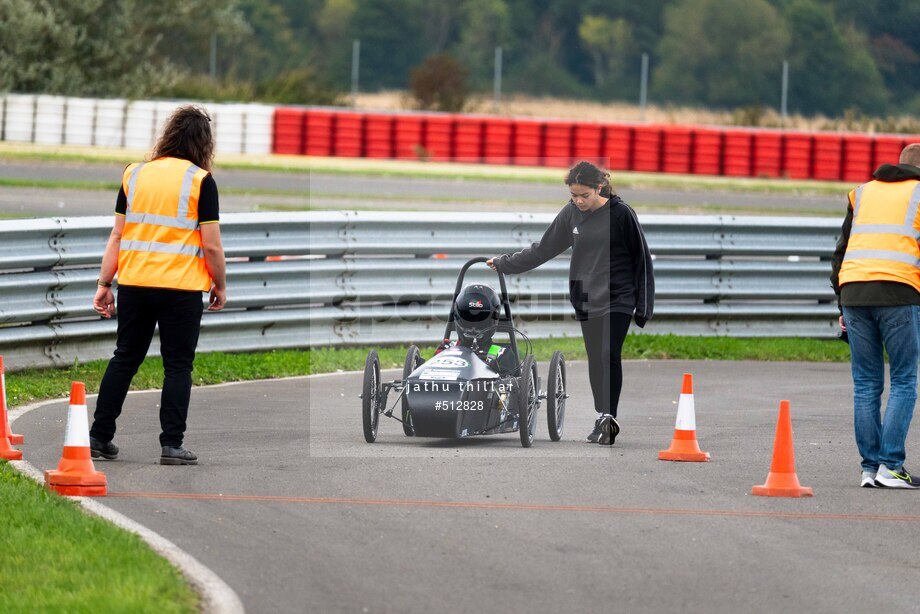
(782, 480)
(14, 439)
(76, 475)
(684, 446)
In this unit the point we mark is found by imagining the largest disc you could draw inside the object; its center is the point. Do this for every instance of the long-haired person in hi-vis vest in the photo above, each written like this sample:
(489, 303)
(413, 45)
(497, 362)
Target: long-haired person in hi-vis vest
(165, 249)
(876, 274)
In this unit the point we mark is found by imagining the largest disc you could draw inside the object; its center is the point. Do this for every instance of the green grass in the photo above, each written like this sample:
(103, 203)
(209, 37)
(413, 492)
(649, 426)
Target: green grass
(55, 558)
(35, 384)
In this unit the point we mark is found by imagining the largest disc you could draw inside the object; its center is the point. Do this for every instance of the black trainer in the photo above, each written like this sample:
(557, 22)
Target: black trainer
(610, 428)
(594, 435)
(97, 449)
(177, 456)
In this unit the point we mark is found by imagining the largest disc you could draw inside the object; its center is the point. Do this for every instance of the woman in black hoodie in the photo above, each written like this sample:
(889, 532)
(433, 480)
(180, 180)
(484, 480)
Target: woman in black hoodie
(610, 280)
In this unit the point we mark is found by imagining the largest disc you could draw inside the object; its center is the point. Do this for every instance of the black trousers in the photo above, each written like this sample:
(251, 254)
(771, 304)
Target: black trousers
(140, 310)
(604, 338)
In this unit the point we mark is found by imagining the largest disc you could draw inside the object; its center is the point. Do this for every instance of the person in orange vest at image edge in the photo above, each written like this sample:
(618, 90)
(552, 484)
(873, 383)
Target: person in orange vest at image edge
(166, 249)
(611, 280)
(876, 275)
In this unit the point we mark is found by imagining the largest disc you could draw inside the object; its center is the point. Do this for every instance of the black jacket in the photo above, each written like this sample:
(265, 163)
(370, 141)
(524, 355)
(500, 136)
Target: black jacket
(872, 293)
(611, 267)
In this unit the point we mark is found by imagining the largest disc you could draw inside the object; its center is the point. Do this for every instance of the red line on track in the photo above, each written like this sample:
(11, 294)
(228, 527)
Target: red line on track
(515, 506)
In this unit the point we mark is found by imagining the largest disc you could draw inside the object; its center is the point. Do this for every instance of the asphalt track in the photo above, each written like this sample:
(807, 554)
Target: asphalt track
(297, 513)
(248, 190)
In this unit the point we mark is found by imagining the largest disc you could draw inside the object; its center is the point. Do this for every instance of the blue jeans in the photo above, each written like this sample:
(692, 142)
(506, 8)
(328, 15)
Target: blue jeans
(897, 330)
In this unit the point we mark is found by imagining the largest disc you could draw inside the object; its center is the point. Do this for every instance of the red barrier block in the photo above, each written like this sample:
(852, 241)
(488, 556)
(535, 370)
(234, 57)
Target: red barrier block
(468, 139)
(557, 144)
(738, 153)
(647, 149)
(797, 155)
(528, 142)
(439, 137)
(348, 134)
(828, 157)
(617, 146)
(288, 131)
(677, 149)
(408, 136)
(768, 153)
(378, 135)
(588, 140)
(318, 132)
(887, 150)
(498, 145)
(707, 151)
(857, 158)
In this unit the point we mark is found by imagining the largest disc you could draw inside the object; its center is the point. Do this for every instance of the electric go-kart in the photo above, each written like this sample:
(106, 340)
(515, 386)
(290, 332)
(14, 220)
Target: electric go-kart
(472, 386)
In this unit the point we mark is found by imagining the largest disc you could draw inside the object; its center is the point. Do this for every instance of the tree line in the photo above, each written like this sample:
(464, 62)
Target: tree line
(844, 55)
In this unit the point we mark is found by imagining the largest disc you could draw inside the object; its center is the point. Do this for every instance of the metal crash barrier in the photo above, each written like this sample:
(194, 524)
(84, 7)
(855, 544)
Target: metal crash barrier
(300, 280)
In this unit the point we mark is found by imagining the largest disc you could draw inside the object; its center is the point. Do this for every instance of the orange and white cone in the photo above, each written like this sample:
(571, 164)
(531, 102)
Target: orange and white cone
(782, 481)
(14, 439)
(684, 446)
(76, 475)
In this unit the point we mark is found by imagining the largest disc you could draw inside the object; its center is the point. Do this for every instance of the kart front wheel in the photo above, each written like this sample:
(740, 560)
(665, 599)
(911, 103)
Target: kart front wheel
(556, 396)
(528, 401)
(371, 394)
(413, 362)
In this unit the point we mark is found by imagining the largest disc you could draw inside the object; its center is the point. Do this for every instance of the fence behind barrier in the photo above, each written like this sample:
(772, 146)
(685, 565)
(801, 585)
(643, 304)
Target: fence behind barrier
(371, 278)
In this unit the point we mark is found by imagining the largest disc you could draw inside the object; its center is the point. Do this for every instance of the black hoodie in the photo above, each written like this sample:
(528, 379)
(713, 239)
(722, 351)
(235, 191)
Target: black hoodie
(872, 293)
(611, 266)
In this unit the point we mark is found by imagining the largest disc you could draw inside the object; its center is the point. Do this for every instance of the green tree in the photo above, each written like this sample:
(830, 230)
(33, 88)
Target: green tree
(611, 44)
(720, 52)
(99, 47)
(831, 68)
(485, 25)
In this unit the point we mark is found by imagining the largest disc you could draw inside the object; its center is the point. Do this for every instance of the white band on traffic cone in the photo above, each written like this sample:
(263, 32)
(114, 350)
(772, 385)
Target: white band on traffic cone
(686, 416)
(77, 434)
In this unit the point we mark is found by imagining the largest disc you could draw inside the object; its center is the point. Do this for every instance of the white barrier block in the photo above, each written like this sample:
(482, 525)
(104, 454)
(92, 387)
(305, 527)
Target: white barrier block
(229, 133)
(140, 124)
(259, 124)
(20, 112)
(78, 121)
(49, 119)
(164, 108)
(110, 121)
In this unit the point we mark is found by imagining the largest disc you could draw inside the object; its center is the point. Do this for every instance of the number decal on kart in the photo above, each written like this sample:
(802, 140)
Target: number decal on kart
(448, 361)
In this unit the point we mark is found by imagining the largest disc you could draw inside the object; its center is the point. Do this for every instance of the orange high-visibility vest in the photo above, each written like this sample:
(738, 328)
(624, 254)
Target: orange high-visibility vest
(161, 242)
(883, 239)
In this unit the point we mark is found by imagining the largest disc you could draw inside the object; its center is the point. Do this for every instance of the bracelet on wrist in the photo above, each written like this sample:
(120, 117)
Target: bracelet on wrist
(103, 284)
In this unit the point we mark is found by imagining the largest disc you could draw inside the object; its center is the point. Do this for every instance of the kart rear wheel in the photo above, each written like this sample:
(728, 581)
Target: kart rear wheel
(528, 401)
(413, 361)
(556, 396)
(371, 394)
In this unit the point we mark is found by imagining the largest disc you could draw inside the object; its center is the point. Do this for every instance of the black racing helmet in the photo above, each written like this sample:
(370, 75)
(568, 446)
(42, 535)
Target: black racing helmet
(476, 313)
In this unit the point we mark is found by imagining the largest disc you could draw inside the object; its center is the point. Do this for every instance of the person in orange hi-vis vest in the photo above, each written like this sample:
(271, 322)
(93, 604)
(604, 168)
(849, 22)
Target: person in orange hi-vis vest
(166, 250)
(876, 275)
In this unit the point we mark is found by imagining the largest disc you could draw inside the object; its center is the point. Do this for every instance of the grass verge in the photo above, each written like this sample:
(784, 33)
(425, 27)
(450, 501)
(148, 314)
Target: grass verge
(58, 559)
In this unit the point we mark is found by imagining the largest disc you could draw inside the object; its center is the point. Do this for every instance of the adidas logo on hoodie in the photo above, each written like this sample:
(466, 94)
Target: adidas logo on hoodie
(575, 230)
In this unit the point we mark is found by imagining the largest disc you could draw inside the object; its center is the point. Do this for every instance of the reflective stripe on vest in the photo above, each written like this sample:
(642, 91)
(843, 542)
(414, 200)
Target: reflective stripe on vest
(161, 243)
(883, 243)
(162, 248)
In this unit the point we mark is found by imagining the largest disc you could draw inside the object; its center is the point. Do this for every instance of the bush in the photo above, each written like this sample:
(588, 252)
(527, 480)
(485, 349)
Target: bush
(439, 84)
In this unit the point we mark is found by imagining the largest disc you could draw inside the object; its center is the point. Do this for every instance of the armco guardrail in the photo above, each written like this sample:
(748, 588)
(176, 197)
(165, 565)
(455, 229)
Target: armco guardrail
(377, 278)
